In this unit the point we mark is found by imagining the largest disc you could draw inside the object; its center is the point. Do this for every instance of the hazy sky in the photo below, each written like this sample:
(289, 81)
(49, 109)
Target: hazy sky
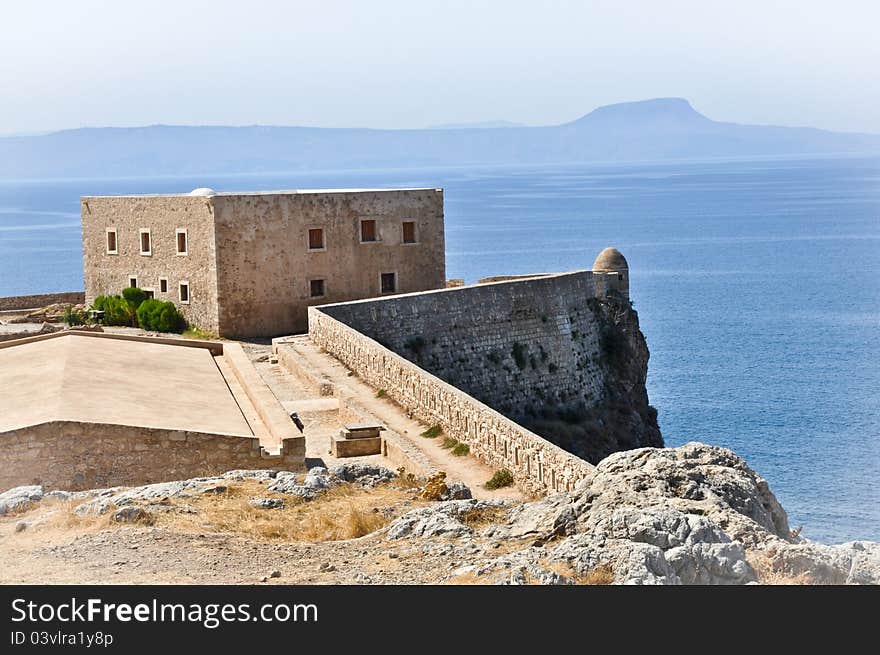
(413, 63)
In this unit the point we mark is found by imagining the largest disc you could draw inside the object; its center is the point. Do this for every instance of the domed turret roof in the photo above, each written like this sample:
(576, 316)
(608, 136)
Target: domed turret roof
(203, 191)
(610, 259)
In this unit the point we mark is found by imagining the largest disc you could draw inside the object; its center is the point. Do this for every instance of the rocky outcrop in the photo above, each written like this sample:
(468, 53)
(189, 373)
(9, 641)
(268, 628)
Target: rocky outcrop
(696, 514)
(19, 498)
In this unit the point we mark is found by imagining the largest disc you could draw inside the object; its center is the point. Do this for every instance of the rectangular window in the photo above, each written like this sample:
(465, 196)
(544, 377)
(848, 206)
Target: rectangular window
(132, 282)
(368, 231)
(388, 282)
(183, 293)
(316, 288)
(150, 293)
(112, 247)
(163, 285)
(182, 245)
(146, 242)
(409, 231)
(316, 239)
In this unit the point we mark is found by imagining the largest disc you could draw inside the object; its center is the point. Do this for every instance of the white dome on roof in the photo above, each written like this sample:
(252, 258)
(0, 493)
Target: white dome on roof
(203, 191)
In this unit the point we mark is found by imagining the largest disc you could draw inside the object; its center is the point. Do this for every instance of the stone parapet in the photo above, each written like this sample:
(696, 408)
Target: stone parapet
(538, 466)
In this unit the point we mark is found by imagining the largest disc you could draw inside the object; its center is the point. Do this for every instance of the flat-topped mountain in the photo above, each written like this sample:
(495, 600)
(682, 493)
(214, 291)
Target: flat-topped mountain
(664, 128)
(659, 111)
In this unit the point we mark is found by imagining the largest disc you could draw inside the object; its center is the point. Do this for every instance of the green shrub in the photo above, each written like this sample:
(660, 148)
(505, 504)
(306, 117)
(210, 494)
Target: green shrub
(461, 449)
(73, 317)
(433, 432)
(502, 478)
(381, 393)
(116, 310)
(449, 442)
(159, 316)
(519, 354)
(148, 312)
(134, 297)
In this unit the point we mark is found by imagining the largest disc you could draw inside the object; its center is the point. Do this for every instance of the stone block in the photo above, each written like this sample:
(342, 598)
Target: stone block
(356, 447)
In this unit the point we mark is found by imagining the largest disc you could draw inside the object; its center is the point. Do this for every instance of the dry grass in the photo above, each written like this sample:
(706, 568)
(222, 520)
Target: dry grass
(470, 579)
(435, 487)
(482, 516)
(599, 575)
(768, 575)
(343, 512)
(407, 480)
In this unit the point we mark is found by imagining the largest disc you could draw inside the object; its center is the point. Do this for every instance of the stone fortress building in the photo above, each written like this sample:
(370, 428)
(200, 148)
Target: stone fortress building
(538, 374)
(250, 264)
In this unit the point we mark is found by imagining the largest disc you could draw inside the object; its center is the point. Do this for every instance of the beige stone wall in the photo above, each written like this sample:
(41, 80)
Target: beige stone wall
(9, 303)
(74, 456)
(264, 265)
(521, 346)
(163, 215)
(537, 465)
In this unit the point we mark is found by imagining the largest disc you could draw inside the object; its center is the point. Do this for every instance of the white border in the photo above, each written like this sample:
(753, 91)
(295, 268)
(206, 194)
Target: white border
(141, 233)
(177, 233)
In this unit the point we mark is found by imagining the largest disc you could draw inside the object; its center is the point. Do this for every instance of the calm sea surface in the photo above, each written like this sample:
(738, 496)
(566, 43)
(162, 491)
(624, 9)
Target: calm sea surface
(757, 284)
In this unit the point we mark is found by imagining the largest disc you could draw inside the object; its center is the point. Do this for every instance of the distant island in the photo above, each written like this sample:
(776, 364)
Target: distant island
(649, 130)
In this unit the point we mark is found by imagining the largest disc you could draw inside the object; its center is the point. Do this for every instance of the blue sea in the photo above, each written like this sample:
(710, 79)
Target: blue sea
(757, 284)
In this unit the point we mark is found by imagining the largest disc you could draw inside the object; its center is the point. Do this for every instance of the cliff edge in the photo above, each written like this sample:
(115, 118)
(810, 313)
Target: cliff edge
(620, 417)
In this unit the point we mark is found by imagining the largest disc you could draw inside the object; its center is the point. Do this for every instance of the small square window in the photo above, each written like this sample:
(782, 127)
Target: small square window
(368, 231)
(146, 242)
(316, 288)
(163, 285)
(388, 282)
(316, 239)
(132, 282)
(112, 246)
(182, 245)
(409, 231)
(183, 293)
(150, 293)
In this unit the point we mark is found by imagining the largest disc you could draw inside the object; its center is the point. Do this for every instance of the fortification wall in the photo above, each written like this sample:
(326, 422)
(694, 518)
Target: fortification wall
(518, 346)
(552, 353)
(74, 456)
(537, 465)
(11, 303)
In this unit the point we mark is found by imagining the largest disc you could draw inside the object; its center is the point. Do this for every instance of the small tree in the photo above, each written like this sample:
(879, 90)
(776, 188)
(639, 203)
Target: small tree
(134, 297)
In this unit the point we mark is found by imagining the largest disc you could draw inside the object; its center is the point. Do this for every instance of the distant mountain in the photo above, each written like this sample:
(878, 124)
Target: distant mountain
(484, 125)
(665, 128)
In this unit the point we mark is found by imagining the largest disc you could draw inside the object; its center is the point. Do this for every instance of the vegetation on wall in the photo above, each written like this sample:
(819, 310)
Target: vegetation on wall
(519, 352)
(415, 344)
(433, 432)
(502, 478)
